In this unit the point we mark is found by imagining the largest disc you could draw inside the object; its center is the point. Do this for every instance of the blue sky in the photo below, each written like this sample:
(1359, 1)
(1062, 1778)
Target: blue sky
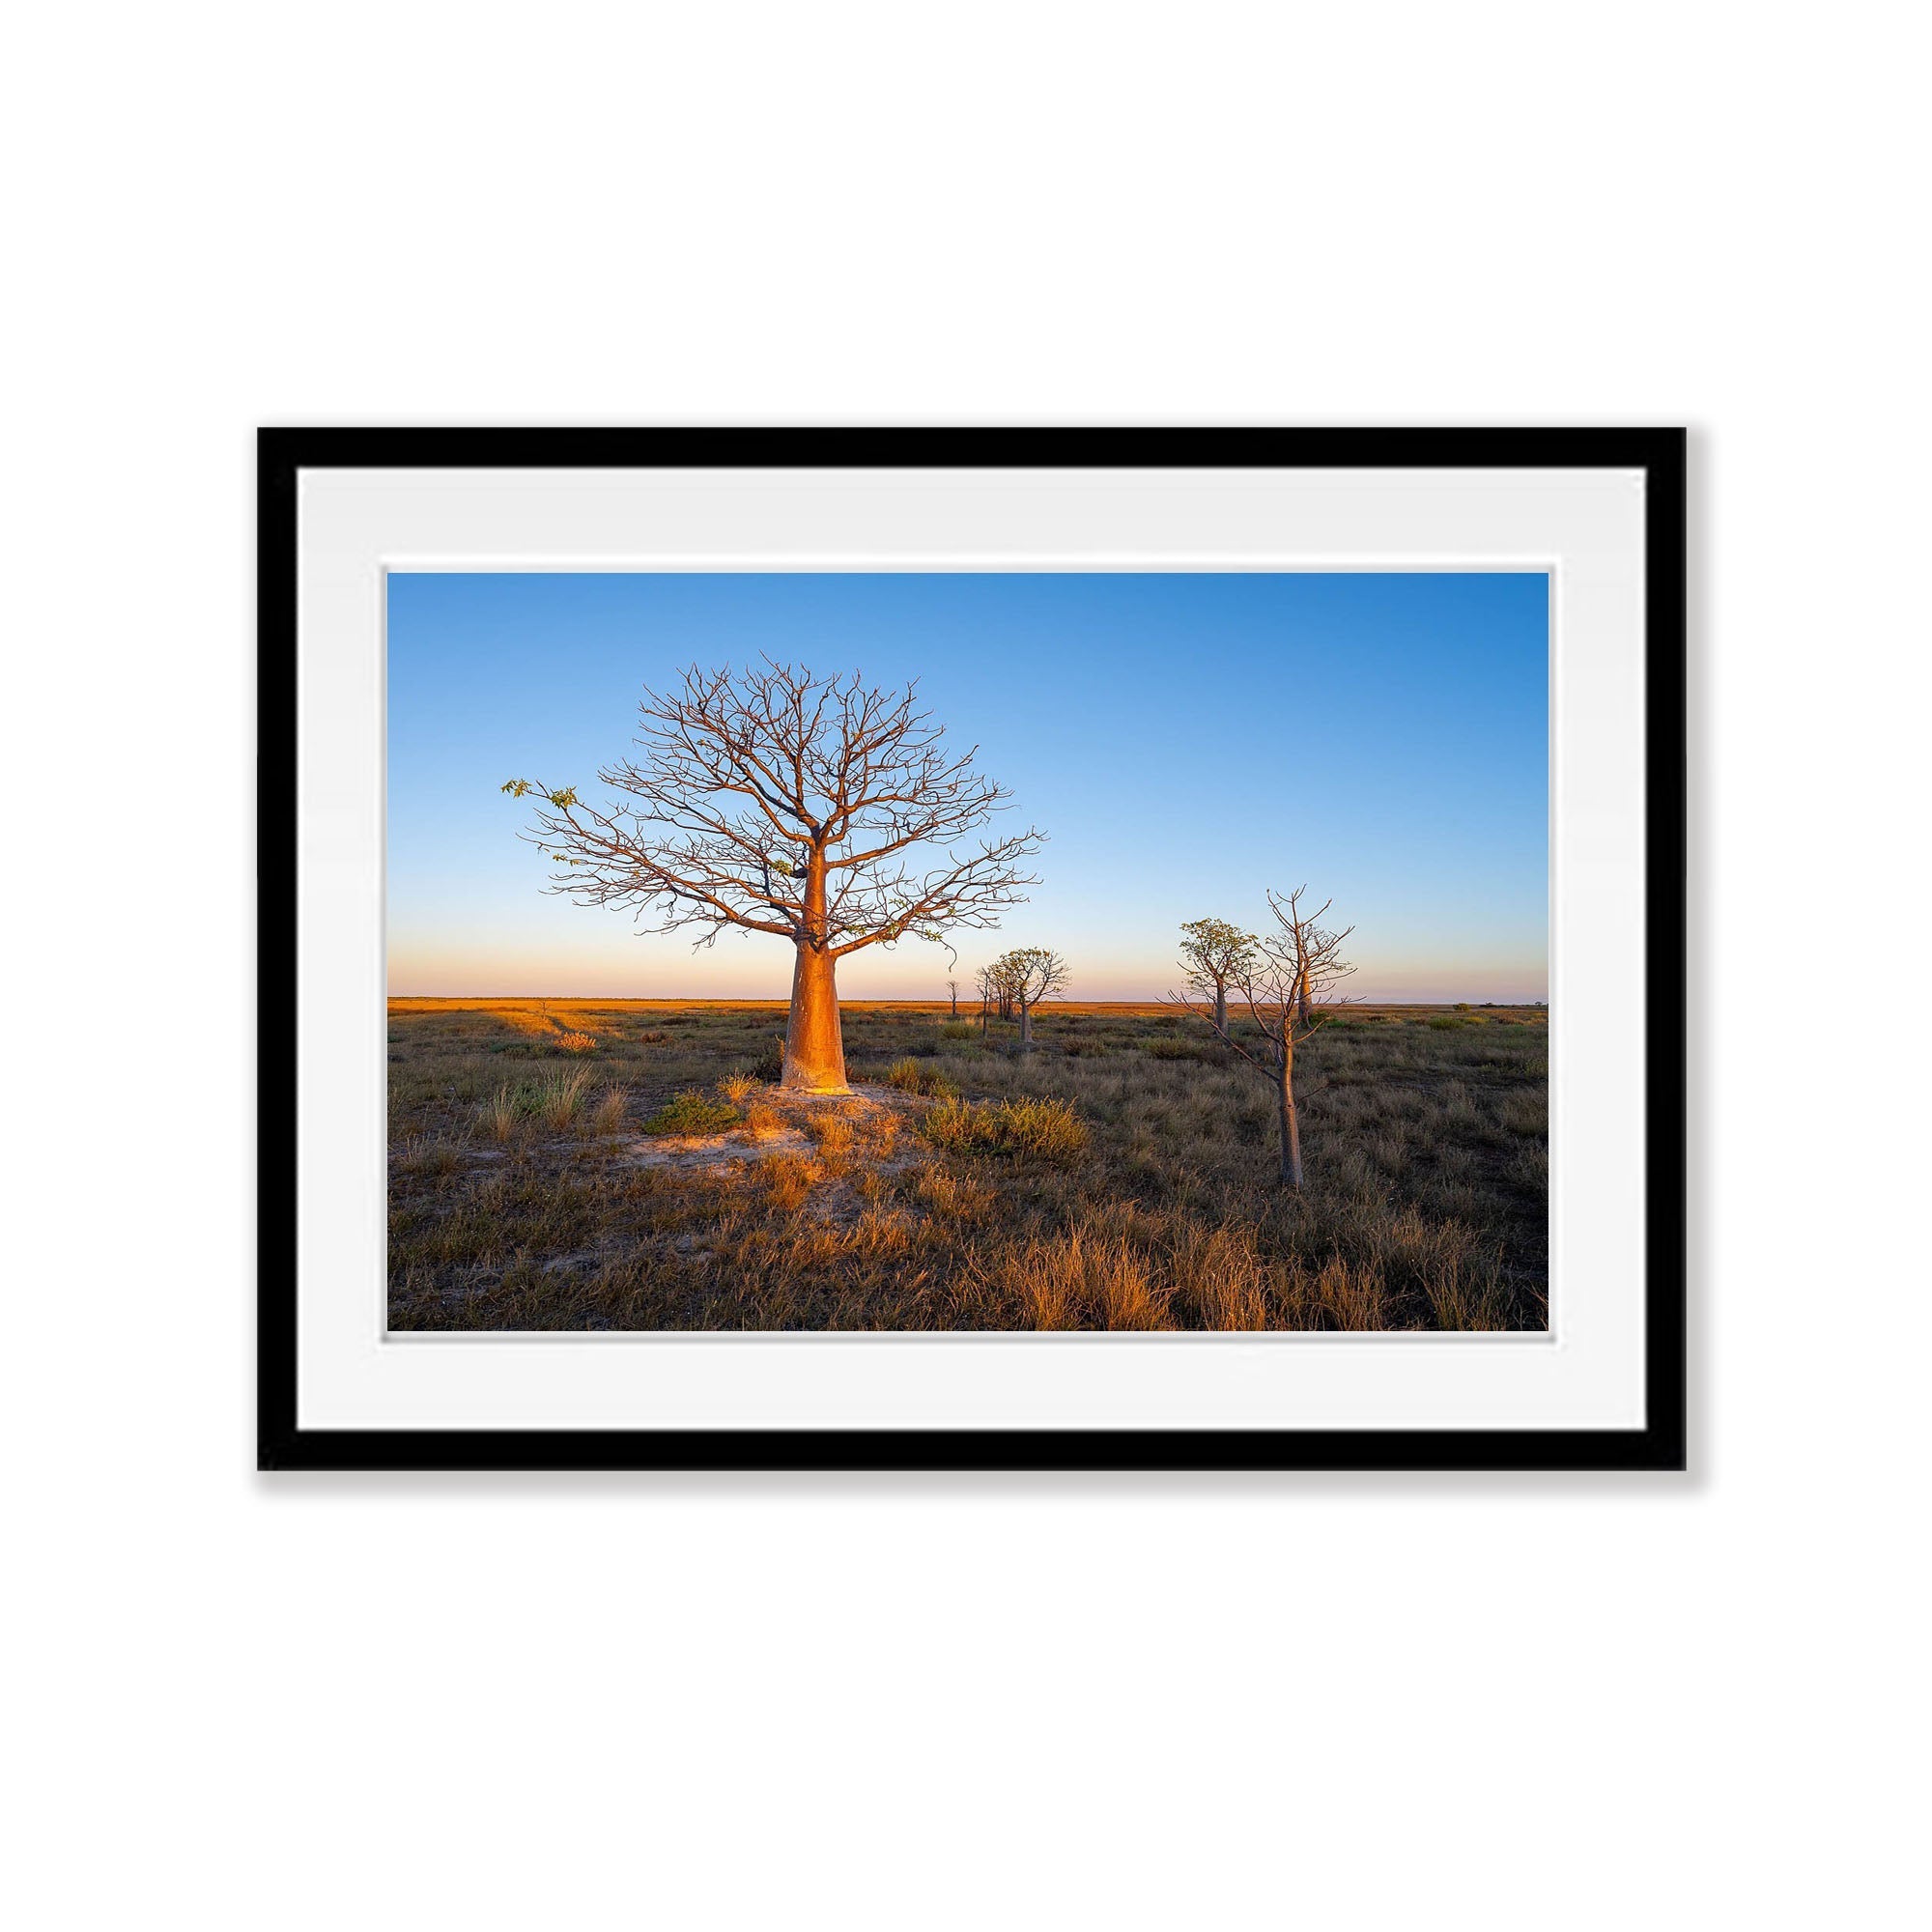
(1185, 740)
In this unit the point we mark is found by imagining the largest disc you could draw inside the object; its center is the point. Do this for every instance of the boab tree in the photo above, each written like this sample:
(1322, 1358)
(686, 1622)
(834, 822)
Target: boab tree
(793, 805)
(1213, 953)
(1285, 976)
(1030, 974)
(995, 982)
(986, 979)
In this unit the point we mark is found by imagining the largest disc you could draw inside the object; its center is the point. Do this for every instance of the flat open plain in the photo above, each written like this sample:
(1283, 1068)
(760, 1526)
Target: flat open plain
(598, 1164)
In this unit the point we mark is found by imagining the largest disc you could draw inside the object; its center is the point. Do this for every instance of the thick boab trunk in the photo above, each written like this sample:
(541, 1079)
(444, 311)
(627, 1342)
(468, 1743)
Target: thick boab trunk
(1221, 1008)
(1026, 1027)
(814, 1055)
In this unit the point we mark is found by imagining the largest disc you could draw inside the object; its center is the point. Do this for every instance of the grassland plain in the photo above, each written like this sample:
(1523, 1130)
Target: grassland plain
(629, 1165)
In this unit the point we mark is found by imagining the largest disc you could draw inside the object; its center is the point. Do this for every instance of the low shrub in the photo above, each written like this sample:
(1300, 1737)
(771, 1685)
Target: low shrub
(692, 1113)
(1180, 1049)
(769, 1066)
(574, 1042)
(957, 1030)
(737, 1088)
(1048, 1129)
(959, 1125)
(909, 1076)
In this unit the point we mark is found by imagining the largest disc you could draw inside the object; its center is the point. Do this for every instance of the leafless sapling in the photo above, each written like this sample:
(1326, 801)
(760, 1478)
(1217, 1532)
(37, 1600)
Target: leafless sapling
(792, 805)
(952, 994)
(1287, 984)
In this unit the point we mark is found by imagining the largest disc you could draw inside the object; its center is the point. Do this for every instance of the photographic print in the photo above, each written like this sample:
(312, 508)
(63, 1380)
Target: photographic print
(977, 951)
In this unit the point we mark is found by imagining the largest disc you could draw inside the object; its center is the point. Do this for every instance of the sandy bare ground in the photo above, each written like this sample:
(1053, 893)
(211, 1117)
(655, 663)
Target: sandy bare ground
(838, 1140)
(865, 1111)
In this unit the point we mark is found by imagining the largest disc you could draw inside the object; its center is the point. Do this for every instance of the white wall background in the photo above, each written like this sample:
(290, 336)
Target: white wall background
(1361, 1703)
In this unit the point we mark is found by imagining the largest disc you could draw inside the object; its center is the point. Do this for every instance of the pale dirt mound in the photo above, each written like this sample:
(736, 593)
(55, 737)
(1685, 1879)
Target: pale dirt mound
(871, 1117)
(840, 1145)
(715, 1152)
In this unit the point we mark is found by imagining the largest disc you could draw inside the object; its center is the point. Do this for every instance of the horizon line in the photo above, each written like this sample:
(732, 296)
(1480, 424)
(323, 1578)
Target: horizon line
(780, 1000)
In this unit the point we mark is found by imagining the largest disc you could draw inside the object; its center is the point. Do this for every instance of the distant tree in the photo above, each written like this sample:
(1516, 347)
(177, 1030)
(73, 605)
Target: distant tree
(1032, 974)
(787, 804)
(996, 991)
(1291, 971)
(952, 994)
(1213, 953)
(995, 982)
(983, 980)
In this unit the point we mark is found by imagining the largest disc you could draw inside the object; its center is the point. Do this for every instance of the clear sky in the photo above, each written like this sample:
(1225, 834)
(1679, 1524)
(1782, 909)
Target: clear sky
(1184, 740)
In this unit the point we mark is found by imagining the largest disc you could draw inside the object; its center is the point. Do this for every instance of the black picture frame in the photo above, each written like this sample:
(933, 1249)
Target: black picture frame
(1660, 1444)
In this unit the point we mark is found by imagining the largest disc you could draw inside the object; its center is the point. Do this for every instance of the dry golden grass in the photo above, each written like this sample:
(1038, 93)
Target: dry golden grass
(1120, 1177)
(788, 1181)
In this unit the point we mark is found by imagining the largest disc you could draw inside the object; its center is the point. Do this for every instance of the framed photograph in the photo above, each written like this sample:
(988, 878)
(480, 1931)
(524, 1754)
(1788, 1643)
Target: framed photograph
(971, 949)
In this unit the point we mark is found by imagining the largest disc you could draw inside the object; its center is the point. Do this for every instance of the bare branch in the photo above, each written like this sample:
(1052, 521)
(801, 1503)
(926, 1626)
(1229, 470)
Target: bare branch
(774, 800)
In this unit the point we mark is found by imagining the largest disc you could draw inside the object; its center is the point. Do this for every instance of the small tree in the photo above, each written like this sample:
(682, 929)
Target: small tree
(983, 979)
(1032, 974)
(785, 803)
(1212, 953)
(952, 994)
(996, 991)
(1281, 981)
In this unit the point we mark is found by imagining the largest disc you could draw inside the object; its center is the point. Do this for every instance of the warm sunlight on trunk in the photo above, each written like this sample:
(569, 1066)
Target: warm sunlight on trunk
(815, 1054)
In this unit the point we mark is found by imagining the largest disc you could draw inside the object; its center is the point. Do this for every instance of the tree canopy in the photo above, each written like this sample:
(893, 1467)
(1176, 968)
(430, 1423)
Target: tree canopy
(785, 803)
